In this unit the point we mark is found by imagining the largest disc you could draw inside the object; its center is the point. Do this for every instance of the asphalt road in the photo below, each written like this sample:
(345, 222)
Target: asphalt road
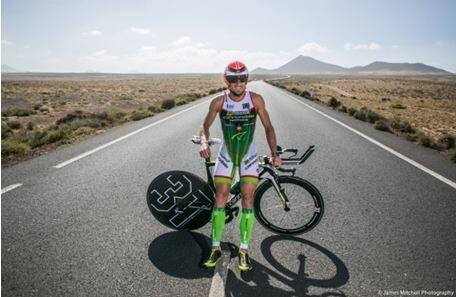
(85, 229)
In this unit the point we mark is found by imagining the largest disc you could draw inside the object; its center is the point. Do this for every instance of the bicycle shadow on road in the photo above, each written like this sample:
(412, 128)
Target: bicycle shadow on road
(258, 282)
(180, 254)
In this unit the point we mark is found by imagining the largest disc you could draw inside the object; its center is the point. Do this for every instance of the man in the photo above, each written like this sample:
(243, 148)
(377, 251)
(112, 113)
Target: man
(238, 109)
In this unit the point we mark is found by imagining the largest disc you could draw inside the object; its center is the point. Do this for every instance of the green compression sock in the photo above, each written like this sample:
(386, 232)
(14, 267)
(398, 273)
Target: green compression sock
(246, 226)
(218, 224)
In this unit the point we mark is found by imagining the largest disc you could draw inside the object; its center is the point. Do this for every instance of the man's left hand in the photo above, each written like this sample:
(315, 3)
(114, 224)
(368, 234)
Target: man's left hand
(276, 161)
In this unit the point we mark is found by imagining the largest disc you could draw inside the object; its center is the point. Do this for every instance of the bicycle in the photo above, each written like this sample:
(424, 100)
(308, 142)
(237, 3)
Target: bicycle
(183, 201)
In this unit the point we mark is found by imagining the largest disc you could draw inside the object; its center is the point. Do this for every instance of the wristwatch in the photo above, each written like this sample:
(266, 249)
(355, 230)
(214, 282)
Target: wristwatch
(274, 154)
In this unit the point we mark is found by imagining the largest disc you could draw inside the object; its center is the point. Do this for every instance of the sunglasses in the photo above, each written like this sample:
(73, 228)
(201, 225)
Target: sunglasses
(234, 78)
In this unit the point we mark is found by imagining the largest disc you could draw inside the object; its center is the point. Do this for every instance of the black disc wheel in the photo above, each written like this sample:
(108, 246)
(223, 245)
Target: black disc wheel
(180, 200)
(302, 212)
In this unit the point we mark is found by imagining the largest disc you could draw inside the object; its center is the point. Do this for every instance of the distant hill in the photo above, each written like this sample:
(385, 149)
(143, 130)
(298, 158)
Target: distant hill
(308, 65)
(9, 69)
(405, 68)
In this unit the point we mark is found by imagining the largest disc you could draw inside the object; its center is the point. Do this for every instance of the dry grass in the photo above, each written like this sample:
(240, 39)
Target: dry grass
(55, 96)
(428, 103)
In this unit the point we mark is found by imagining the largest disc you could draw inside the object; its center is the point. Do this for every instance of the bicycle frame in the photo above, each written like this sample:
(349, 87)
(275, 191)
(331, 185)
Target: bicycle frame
(266, 168)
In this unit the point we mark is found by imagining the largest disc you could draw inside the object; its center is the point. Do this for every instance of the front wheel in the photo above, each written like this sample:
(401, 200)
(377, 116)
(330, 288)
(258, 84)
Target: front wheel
(305, 206)
(180, 200)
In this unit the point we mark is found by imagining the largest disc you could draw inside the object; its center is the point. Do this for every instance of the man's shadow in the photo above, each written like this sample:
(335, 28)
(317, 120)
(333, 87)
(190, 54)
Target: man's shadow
(189, 249)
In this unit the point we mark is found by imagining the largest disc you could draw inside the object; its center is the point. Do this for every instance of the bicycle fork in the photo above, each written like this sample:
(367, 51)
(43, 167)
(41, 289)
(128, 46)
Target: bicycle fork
(280, 194)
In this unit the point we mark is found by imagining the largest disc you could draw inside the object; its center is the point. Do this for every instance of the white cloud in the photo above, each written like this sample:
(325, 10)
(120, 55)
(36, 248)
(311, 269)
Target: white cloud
(199, 58)
(94, 33)
(142, 31)
(6, 42)
(395, 46)
(99, 58)
(371, 46)
(312, 47)
(182, 41)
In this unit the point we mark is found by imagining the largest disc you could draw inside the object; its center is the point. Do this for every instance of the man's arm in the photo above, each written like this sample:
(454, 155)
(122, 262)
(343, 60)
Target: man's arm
(214, 108)
(260, 107)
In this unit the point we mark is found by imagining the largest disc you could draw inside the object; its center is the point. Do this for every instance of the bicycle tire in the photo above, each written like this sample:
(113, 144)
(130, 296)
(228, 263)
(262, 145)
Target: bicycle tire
(180, 200)
(302, 184)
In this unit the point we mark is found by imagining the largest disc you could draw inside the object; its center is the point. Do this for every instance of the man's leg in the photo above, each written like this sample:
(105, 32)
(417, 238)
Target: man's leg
(222, 179)
(249, 180)
(246, 224)
(218, 213)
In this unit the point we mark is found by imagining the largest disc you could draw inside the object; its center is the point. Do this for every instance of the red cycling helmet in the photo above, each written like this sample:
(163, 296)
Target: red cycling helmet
(236, 68)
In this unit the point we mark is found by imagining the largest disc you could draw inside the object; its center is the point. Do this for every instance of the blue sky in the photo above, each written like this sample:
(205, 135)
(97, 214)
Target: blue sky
(203, 36)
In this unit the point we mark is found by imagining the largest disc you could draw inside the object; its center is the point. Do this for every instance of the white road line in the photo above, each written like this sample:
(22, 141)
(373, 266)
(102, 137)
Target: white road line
(9, 188)
(125, 136)
(397, 154)
(220, 274)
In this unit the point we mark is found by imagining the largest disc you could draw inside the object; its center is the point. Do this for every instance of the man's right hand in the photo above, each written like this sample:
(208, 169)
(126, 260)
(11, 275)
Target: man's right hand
(205, 151)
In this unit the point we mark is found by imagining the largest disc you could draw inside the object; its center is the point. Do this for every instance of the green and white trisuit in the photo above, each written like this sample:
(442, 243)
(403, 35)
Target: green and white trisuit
(238, 151)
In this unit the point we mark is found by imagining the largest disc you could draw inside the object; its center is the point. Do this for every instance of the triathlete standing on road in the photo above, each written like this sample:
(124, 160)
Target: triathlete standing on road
(238, 109)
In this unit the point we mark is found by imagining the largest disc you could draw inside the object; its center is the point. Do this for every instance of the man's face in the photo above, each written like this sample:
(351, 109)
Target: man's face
(237, 87)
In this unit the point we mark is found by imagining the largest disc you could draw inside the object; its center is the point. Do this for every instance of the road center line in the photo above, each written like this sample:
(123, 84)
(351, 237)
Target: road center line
(9, 188)
(220, 274)
(397, 154)
(126, 136)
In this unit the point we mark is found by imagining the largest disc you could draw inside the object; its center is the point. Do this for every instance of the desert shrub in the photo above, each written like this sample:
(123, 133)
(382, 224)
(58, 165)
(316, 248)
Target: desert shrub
(398, 106)
(30, 126)
(351, 111)
(102, 116)
(37, 106)
(55, 135)
(447, 141)
(19, 112)
(76, 124)
(381, 125)
(396, 123)
(386, 99)
(360, 115)
(141, 91)
(406, 127)
(14, 124)
(372, 116)
(74, 115)
(117, 114)
(402, 126)
(36, 139)
(44, 109)
(155, 109)
(295, 91)
(305, 94)
(168, 104)
(212, 91)
(140, 114)
(334, 103)
(354, 97)
(10, 147)
(424, 140)
(343, 108)
(5, 130)
(83, 131)
(181, 102)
